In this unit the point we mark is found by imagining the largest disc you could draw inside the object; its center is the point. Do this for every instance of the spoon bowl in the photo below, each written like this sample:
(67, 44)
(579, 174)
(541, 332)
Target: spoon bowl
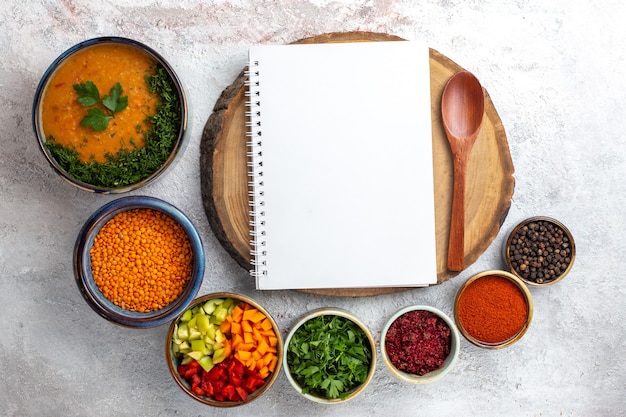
(462, 110)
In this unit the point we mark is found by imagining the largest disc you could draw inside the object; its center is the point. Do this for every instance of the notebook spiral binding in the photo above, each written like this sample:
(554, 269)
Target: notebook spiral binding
(254, 144)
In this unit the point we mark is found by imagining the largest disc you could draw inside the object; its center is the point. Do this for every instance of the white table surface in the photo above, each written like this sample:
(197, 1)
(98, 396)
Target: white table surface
(556, 73)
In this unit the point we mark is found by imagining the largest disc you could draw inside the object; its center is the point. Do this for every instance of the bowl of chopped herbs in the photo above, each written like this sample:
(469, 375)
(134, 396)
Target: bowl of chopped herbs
(330, 356)
(110, 115)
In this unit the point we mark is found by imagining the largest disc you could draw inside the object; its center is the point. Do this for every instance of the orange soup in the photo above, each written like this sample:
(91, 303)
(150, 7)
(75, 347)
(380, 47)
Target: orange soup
(104, 65)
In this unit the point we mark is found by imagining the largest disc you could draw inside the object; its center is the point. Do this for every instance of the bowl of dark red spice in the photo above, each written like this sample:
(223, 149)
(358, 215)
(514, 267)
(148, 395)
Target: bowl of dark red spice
(493, 309)
(540, 251)
(419, 344)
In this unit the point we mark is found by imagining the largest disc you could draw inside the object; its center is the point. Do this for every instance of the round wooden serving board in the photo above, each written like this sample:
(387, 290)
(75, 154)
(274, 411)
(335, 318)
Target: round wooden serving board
(489, 188)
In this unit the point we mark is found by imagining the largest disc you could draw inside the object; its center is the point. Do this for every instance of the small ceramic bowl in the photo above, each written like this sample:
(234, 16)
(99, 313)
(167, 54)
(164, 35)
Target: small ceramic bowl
(493, 309)
(176, 357)
(370, 345)
(61, 165)
(540, 251)
(90, 290)
(438, 350)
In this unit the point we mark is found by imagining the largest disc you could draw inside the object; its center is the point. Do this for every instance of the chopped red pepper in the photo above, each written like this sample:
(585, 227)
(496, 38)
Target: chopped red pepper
(219, 386)
(243, 394)
(235, 380)
(230, 393)
(228, 380)
(215, 373)
(236, 368)
(208, 387)
(251, 384)
(195, 380)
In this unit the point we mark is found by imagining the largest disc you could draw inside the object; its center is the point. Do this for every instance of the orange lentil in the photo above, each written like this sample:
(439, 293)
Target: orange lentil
(141, 260)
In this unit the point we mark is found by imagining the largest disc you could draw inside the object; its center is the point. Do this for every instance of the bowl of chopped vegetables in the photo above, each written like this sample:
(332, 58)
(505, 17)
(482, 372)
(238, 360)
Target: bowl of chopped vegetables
(225, 350)
(330, 356)
(110, 115)
(139, 261)
(419, 344)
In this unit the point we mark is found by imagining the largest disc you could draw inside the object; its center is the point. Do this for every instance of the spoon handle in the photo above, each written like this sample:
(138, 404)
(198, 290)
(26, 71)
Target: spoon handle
(456, 243)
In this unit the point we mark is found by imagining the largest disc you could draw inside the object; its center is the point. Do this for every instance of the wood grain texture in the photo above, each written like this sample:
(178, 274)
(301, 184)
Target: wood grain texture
(462, 113)
(489, 189)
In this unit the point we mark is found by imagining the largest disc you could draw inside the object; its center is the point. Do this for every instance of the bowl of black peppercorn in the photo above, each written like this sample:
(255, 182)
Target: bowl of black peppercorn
(540, 251)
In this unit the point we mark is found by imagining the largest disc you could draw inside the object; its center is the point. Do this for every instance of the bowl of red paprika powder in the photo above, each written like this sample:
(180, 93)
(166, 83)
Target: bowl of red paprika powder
(419, 344)
(493, 309)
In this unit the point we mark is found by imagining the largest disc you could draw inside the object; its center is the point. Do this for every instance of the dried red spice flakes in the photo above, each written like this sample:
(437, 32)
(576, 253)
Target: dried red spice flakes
(418, 342)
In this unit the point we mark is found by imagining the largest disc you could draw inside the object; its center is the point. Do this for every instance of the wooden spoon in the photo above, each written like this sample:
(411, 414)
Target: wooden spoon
(462, 109)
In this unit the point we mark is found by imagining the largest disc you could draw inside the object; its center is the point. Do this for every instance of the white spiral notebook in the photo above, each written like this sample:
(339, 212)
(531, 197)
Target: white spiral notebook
(340, 165)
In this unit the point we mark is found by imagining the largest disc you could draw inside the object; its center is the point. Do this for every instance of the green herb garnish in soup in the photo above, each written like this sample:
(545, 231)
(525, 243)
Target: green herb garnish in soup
(329, 356)
(122, 137)
(89, 96)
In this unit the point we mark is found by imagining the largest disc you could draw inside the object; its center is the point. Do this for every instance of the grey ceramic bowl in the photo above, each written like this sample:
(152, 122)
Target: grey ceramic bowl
(61, 168)
(330, 312)
(435, 374)
(90, 291)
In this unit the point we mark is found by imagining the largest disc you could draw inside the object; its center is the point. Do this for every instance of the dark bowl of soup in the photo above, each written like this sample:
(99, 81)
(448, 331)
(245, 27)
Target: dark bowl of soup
(110, 115)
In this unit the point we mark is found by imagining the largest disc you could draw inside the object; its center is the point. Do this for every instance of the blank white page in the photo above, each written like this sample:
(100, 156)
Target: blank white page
(347, 174)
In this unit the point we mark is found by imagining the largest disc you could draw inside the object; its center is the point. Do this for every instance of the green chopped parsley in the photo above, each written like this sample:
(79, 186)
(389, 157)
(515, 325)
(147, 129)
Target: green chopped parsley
(329, 356)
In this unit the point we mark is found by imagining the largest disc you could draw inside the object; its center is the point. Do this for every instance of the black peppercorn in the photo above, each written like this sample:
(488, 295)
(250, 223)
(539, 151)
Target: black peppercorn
(539, 251)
